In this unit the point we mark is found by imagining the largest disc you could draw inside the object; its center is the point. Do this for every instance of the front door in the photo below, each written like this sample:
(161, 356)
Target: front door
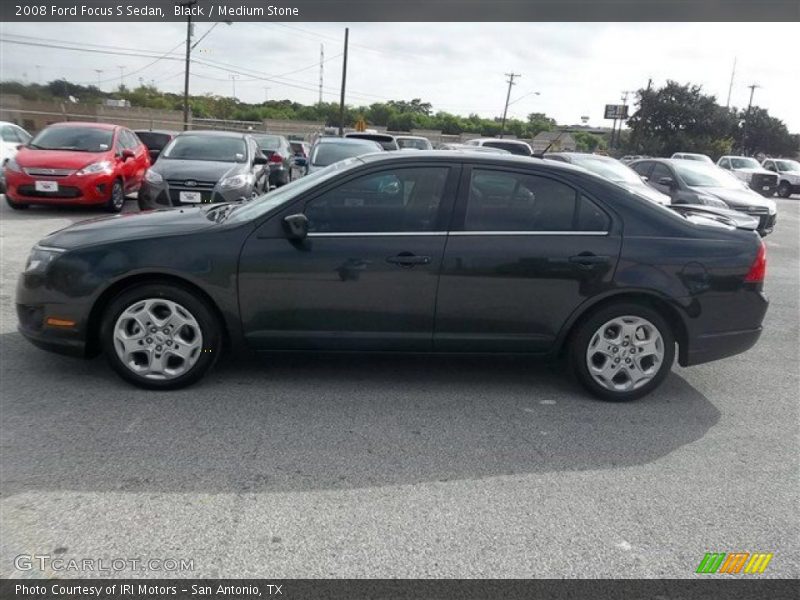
(525, 251)
(366, 275)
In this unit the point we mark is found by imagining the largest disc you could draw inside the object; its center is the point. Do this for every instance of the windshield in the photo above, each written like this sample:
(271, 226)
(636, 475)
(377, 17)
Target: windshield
(79, 139)
(268, 142)
(331, 152)
(609, 169)
(206, 147)
(788, 165)
(697, 175)
(745, 163)
(519, 149)
(267, 202)
(414, 143)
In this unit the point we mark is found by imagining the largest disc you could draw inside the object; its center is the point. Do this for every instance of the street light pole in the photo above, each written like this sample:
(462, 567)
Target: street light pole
(344, 79)
(508, 97)
(187, 4)
(752, 87)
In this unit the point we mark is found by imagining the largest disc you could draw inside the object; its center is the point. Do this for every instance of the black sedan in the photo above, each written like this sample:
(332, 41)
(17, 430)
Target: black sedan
(695, 182)
(205, 167)
(409, 252)
(280, 156)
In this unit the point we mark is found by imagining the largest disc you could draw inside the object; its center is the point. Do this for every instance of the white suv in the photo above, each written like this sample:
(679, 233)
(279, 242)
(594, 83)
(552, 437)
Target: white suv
(11, 136)
(748, 170)
(513, 146)
(788, 175)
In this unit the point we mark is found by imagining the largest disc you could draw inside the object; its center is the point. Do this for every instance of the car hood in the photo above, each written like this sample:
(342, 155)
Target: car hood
(199, 170)
(648, 192)
(740, 219)
(739, 199)
(102, 230)
(31, 158)
(754, 170)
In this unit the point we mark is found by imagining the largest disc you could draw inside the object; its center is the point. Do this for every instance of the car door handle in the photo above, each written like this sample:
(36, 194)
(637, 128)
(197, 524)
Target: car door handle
(589, 260)
(408, 260)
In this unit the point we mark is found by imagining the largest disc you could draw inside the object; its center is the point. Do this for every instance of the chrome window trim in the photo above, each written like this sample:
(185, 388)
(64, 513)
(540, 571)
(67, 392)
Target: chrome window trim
(441, 233)
(529, 233)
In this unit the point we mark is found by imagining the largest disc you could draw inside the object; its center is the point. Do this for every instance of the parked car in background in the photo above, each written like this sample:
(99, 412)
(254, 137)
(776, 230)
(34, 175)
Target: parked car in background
(753, 174)
(202, 167)
(301, 151)
(468, 148)
(77, 163)
(386, 252)
(155, 140)
(386, 141)
(11, 136)
(517, 147)
(788, 175)
(329, 150)
(692, 156)
(280, 156)
(692, 182)
(413, 142)
(629, 158)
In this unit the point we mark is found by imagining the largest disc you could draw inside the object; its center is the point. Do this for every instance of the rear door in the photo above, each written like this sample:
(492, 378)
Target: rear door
(366, 275)
(525, 251)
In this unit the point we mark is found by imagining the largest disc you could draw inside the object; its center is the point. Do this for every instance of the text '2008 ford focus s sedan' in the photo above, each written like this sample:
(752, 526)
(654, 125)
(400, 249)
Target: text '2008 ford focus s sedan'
(419, 252)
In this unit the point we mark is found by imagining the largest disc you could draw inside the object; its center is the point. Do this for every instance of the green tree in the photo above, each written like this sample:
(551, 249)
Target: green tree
(758, 132)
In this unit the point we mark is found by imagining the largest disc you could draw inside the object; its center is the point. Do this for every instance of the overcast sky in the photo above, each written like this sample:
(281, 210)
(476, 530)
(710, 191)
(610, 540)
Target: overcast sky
(458, 67)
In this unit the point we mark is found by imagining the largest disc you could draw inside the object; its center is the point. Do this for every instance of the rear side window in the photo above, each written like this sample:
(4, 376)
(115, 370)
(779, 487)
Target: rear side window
(642, 168)
(506, 201)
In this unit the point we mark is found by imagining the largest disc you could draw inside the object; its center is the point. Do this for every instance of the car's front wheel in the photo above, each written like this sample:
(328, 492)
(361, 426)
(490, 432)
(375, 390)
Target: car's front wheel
(117, 198)
(160, 336)
(784, 189)
(622, 352)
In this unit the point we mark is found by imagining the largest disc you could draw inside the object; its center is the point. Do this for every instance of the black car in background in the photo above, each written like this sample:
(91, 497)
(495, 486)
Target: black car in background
(695, 182)
(409, 252)
(155, 140)
(280, 156)
(330, 149)
(205, 167)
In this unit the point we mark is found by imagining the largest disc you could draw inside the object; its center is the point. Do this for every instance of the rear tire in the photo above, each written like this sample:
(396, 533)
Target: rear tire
(622, 352)
(117, 198)
(784, 189)
(16, 205)
(160, 336)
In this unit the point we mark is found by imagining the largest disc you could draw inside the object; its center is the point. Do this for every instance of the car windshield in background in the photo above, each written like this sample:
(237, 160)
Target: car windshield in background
(331, 152)
(268, 142)
(413, 143)
(517, 149)
(697, 175)
(788, 165)
(206, 147)
(745, 163)
(154, 141)
(611, 170)
(80, 139)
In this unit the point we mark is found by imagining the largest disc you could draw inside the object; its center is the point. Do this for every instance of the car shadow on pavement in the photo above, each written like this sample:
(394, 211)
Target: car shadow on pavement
(282, 423)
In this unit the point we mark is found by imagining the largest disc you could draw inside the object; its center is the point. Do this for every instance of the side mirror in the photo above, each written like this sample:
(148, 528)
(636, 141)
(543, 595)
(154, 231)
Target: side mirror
(296, 226)
(127, 153)
(667, 181)
(260, 160)
(645, 178)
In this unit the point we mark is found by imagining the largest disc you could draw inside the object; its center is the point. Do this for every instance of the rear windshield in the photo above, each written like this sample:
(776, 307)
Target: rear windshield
(520, 149)
(153, 140)
(329, 153)
(268, 142)
(78, 139)
(414, 143)
(386, 142)
(207, 147)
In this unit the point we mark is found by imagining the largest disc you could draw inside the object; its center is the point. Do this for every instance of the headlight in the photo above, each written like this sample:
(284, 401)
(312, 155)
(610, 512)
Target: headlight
(236, 181)
(40, 258)
(153, 176)
(711, 201)
(12, 165)
(104, 166)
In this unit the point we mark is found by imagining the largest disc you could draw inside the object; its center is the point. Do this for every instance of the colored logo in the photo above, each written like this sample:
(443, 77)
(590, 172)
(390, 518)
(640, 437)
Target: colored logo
(734, 563)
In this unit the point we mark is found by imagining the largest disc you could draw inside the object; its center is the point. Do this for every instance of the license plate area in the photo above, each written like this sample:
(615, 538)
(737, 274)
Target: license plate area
(190, 197)
(46, 186)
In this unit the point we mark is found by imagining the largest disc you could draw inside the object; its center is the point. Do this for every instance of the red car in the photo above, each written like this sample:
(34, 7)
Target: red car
(77, 164)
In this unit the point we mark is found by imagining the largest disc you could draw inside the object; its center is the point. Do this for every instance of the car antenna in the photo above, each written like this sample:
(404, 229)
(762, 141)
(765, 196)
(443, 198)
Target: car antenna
(542, 153)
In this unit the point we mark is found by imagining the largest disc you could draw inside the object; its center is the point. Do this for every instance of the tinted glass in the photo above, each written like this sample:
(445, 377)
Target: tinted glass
(642, 168)
(386, 142)
(414, 143)
(695, 174)
(153, 140)
(269, 142)
(206, 147)
(788, 165)
(520, 149)
(610, 169)
(129, 139)
(396, 200)
(659, 171)
(744, 163)
(591, 217)
(80, 139)
(9, 135)
(331, 152)
(504, 201)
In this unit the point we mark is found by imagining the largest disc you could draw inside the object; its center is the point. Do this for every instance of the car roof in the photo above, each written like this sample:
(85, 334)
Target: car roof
(215, 133)
(582, 155)
(506, 140)
(472, 156)
(344, 140)
(366, 135)
(411, 137)
(161, 131)
(84, 124)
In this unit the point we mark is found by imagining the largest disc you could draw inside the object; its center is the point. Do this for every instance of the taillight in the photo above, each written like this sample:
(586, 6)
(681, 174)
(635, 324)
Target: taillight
(758, 270)
(275, 158)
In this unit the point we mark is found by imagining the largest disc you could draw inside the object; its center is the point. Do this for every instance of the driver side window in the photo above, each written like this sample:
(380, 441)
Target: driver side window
(391, 201)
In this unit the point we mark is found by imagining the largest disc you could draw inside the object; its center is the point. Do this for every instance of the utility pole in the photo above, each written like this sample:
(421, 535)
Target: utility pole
(233, 78)
(624, 99)
(321, 69)
(752, 87)
(100, 72)
(187, 4)
(730, 87)
(121, 75)
(508, 97)
(344, 79)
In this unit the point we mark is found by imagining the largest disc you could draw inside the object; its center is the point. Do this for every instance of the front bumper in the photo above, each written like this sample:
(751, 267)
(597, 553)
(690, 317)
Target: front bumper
(72, 189)
(61, 340)
(162, 195)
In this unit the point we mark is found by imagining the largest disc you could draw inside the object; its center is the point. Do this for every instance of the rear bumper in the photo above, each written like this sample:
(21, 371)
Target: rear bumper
(714, 346)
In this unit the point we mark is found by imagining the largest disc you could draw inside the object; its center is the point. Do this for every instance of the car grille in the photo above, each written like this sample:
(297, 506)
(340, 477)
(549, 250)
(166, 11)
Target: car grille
(762, 179)
(64, 191)
(766, 222)
(43, 172)
(197, 186)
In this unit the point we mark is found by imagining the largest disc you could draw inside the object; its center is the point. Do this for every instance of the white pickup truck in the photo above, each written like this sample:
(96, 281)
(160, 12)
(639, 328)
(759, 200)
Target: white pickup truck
(788, 171)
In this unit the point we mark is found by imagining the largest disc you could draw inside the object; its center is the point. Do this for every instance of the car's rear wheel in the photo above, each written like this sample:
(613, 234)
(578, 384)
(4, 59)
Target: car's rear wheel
(622, 352)
(784, 189)
(16, 205)
(160, 336)
(117, 198)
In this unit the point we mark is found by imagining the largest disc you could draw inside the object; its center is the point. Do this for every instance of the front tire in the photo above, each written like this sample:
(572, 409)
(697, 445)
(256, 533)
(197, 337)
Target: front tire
(117, 198)
(622, 352)
(160, 336)
(784, 189)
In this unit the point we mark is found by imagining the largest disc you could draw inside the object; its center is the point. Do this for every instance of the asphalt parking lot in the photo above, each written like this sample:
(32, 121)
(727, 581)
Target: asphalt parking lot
(370, 466)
